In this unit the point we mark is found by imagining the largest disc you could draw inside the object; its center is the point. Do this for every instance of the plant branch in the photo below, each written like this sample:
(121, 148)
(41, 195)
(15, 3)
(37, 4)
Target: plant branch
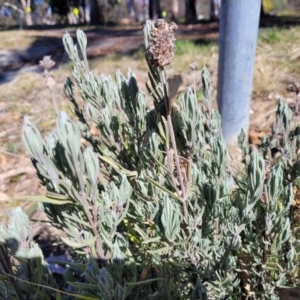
(173, 140)
(182, 186)
(14, 7)
(85, 206)
(266, 248)
(171, 170)
(297, 105)
(165, 276)
(3, 260)
(54, 101)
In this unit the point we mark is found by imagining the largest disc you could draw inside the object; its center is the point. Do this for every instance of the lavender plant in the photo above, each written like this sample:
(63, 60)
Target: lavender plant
(23, 272)
(148, 204)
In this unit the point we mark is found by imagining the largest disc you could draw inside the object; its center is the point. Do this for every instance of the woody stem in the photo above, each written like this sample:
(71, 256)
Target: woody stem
(173, 140)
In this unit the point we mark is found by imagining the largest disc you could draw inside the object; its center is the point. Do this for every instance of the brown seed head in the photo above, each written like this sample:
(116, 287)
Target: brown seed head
(162, 45)
(294, 87)
(194, 66)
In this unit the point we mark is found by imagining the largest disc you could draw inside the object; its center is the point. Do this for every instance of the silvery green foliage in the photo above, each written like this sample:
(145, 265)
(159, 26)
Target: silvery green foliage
(122, 205)
(71, 174)
(270, 249)
(21, 258)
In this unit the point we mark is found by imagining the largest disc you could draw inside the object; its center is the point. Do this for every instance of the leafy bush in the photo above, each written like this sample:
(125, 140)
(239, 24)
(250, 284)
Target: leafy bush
(149, 203)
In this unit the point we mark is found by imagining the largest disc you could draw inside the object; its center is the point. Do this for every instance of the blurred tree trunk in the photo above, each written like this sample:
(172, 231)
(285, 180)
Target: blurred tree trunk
(27, 12)
(190, 11)
(262, 12)
(60, 7)
(136, 11)
(24, 11)
(83, 11)
(132, 9)
(174, 10)
(215, 6)
(96, 13)
(154, 9)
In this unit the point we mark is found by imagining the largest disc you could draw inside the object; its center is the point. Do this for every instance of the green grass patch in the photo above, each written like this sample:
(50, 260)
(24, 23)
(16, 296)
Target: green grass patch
(186, 47)
(271, 35)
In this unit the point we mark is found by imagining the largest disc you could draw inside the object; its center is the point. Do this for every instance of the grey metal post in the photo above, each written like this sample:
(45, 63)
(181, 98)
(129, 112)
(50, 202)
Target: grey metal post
(239, 24)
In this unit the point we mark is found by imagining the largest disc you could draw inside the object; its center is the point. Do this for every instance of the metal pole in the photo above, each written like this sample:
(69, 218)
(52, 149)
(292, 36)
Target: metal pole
(239, 24)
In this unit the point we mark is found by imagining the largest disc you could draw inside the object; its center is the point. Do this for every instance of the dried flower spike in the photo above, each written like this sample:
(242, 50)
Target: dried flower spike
(295, 88)
(194, 66)
(162, 45)
(47, 63)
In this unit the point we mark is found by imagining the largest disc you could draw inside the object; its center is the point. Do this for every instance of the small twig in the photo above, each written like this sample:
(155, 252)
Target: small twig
(13, 154)
(54, 101)
(13, 7)
(263, 117)
(39, 285)
(297, 104)
(195, 83)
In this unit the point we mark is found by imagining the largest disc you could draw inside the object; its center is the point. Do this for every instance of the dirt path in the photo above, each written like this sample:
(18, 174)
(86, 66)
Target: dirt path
(100, 43)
